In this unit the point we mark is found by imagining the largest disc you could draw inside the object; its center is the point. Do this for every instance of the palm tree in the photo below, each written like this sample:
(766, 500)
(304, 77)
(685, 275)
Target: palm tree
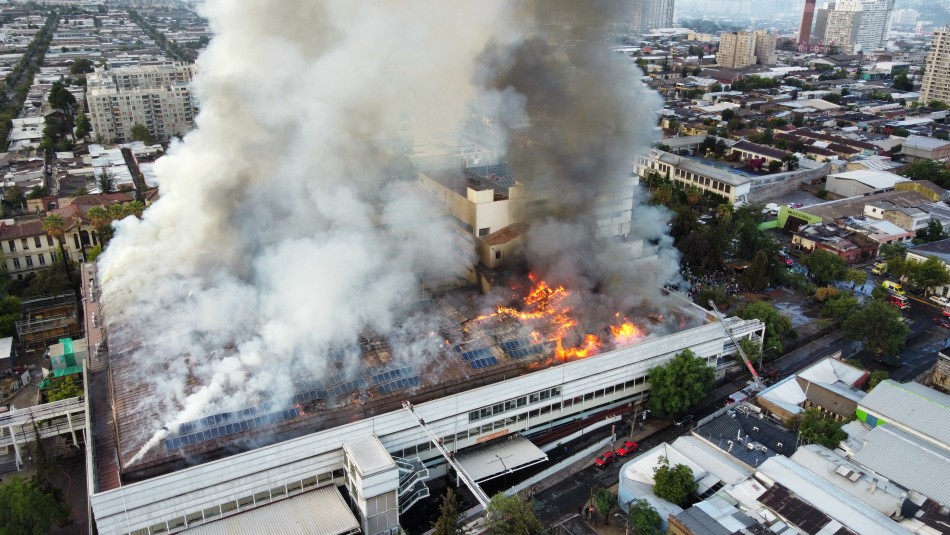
(693, 195)
(55, 226)
(101, 220)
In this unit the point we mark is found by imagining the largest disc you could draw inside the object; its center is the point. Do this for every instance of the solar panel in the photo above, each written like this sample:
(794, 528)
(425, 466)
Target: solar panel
(398, 384)
(391, 375)
(212, 433)
(475, 354)
(525, 352)
(483, 362)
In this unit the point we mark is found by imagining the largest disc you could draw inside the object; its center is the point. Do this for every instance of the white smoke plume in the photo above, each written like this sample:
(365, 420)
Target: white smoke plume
(284, 226)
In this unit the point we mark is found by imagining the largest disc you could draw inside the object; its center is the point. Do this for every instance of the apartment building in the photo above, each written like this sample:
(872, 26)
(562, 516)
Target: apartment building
(936, 84)
(859, 24)
(841, 28)
(736, 50)
(156, 96)
(765, 42)
(650, 14)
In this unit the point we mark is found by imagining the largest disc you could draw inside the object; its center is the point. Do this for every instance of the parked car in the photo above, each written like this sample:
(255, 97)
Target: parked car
(940, 300)
(945, 311)
(785, 259)
(606, 459)
(942, 322)
(683, 420)
(627, 448)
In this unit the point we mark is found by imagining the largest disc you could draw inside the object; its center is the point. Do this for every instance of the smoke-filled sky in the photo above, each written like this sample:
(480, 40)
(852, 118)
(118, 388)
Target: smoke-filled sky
(285, 224)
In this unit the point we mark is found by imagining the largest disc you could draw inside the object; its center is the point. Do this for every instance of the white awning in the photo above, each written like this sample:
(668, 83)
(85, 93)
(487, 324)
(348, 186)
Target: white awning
(321, 511)
(507, 455)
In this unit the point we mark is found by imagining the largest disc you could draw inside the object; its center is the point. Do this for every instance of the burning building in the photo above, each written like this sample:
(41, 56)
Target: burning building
(516, 371)
(263, 322)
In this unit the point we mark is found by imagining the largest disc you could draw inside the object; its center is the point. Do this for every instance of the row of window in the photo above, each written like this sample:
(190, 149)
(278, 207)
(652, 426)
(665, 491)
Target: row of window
(503, 423)
(247, 502)
(41, 258)
(703, 181)
(25, 243)
(511, 404)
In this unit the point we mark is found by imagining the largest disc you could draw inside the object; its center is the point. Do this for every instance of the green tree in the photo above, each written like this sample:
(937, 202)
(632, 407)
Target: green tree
(81, 66)
(934, 231)
(880, 325)
(762, 272)
(604, 501)
(891, 250)
(776, 323)
(450, 518)
(107, 182)
(13, 198)
(931, 170)
(38, 192)
(825, 267)
(815, 428)
(60, 97)
(512, 515)
(902, 83)
(930, 273)
(679, 383)
(840, 307)
(876, 377)
(140, 132)
(55, 226)
(674, 484)
(9, 314)
(26, 509)
(65, 388)
(856, 277)
(643, 518)
(83, 127)
(751, 350)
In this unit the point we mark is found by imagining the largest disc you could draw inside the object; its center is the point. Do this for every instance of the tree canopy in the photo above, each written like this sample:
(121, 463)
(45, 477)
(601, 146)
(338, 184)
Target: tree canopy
(81, 66)
(776, 323)
(840, 307)
(140, 132)
(815, 428)
(934, 231)
(931, 170)
(825, 267)
(879, 325)
(512, 515)
(679, 383)
(604, 501)
(644, 519)
(65, 388)
(450, 518)
(674, 484)
(876, 377)
(25, 509)
(930, 273)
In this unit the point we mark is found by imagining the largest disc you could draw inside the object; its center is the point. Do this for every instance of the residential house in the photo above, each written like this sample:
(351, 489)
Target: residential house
(916, 148)
(830, 385)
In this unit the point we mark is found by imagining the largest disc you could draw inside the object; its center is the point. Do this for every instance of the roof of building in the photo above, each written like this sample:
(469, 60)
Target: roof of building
(369, 455)
(744, 428)
(907, 460)
(912, 405)
(926, 184)
(318, 512)
(499, 457)
(924, 143)
(832, 210)
(832, 375)
(800, 513)
(939, 249)
(874, 179)
(694, 166)
(506, 234)
(755, 148)
(715, 516)
(21, 229)
(798, 486)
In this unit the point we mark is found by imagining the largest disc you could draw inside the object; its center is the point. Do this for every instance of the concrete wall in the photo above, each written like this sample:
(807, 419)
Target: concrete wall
(791, 184)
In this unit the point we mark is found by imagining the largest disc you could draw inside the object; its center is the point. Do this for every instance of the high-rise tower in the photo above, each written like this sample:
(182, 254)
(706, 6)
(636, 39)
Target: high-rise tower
(804, 31)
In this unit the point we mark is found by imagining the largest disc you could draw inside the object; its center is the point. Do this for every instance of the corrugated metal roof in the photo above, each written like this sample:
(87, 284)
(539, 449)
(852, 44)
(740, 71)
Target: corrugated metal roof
(502, 456)
(912, 405)
(908, 461)
(318, 512)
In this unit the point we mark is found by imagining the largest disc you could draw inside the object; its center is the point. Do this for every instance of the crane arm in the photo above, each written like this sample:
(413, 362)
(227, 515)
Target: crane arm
(745, 358)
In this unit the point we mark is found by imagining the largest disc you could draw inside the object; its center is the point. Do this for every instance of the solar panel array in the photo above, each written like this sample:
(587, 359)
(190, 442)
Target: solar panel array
(398, 384)
(522, 348)
(334, 386)
(225, 417)
(391, 375)
(483, 362)
(225, 429)
(475, 354)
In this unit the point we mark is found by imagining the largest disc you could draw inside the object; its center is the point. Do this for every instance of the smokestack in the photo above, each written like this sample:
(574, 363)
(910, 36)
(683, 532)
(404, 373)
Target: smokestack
(808, 15)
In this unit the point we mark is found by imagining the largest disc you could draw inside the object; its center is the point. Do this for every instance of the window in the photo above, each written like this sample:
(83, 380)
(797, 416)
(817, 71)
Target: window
(12, 245)
(37, 242)
(52, 257)
(42, 258)
(497, 255)
(483, 231)
(25, 244)
(29, 261)
(16, 263)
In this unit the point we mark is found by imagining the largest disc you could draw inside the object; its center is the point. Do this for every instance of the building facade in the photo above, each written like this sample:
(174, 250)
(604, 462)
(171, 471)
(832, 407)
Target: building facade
(821, 21)
(765, 42)
(936, 83)
(689, 172)
(736, 50)
(841, 29)
(649, 14)
(875, 23)
(156, 96)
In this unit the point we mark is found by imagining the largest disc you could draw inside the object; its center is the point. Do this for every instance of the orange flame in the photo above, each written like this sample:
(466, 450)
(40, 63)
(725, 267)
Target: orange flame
(626, 333)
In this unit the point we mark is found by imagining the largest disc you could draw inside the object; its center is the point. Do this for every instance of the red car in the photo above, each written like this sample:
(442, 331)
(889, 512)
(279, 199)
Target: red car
(606, 459)
(627, 448)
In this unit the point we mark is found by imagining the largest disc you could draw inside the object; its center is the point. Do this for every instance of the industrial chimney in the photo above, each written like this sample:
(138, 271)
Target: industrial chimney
(808, 15)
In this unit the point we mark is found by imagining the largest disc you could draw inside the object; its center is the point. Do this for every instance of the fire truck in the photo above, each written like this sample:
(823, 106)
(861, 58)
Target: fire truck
(898, 300)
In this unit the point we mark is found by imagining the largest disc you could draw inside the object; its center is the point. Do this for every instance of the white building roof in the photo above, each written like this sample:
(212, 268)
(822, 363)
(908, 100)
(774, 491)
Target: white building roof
(318, 512)
(881, 494)
(815, 103)
(912, 405)
(830, 373)
(827, 498)
(6, 347)
(874, 179)
(712, 460)
(907, 460)
(501, 457)
(369, 455)
(924, 143)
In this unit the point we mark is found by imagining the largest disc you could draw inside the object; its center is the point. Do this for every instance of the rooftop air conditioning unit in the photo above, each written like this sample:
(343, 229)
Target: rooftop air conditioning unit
(755, 429)
(750, 446)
